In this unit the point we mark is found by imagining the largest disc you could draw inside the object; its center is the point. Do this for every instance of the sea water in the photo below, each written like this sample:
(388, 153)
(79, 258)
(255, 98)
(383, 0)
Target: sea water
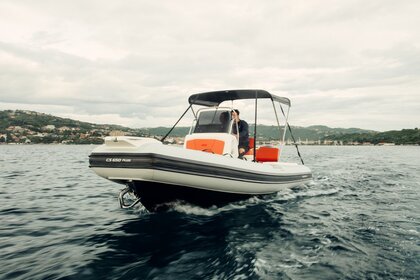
(358, 219)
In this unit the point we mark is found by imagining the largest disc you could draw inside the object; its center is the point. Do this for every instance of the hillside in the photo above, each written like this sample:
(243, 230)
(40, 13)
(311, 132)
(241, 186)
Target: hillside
(401, 137)
(271, 132)
(23, 126)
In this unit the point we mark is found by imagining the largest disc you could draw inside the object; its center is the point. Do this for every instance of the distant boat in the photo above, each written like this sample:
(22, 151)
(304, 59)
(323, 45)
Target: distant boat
(206, 171)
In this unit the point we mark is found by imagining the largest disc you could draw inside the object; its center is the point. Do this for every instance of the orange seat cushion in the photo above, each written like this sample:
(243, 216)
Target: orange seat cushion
(250, 152)
(251, 143)
(206, 145)
(251, 147)
(265, 154)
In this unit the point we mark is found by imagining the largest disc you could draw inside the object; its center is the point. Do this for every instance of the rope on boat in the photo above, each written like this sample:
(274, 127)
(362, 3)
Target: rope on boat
(294, 143)
(164, 137)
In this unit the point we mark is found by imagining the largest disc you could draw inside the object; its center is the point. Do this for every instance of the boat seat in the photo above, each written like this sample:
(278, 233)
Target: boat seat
(267, 154)
(251, 147)
(263, 154)
(251, 143)
(213, 146)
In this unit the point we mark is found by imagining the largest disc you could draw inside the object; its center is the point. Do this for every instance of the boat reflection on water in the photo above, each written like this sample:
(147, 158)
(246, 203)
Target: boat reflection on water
(184, 246)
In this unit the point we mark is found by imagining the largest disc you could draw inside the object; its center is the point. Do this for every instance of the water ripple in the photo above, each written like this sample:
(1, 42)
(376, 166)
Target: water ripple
(358, 219)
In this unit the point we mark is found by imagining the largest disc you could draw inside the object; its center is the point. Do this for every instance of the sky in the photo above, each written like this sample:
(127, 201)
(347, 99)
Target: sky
(135, 63)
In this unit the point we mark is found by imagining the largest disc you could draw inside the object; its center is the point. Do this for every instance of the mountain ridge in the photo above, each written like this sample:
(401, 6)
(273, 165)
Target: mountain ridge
(24, 126)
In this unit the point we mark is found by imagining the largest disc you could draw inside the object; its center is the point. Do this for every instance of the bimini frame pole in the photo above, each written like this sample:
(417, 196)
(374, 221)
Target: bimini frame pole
(164, 137)
(291, 134)
(255, 127)
(286, 123)
(281, 135)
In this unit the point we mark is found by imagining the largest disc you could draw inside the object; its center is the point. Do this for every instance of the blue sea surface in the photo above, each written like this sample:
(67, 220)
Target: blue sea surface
(358, 219)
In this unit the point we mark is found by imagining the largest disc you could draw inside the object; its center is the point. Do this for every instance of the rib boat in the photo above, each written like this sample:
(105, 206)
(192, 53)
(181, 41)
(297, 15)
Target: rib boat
(207, 170)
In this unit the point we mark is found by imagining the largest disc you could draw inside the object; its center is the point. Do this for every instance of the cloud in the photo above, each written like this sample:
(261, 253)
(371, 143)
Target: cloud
(343, 63)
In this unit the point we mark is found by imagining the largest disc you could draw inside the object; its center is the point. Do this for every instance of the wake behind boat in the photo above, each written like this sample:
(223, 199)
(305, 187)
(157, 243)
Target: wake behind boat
(208, 169)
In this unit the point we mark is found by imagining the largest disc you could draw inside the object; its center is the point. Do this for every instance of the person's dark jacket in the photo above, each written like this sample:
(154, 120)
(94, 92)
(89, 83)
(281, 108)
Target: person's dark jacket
(243, 134)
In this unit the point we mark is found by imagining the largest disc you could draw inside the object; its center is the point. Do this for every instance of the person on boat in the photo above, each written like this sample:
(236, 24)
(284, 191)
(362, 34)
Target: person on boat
(243, 130)
(224, 121)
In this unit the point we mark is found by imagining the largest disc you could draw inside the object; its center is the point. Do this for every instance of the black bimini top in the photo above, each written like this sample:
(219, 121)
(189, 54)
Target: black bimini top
(214, 98)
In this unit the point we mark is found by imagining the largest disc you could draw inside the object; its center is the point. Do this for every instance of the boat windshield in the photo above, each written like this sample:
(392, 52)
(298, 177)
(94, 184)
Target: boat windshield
(213, 121)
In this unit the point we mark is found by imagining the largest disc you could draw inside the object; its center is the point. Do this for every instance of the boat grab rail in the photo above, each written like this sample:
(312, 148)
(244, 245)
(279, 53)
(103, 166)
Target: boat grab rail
(123, 193)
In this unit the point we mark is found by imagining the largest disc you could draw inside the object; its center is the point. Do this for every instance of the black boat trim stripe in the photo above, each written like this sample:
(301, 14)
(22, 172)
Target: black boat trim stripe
(171, 164)
(223, 177)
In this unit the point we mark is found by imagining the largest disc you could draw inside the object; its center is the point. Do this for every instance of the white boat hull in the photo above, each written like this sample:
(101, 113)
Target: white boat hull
(160, 173)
